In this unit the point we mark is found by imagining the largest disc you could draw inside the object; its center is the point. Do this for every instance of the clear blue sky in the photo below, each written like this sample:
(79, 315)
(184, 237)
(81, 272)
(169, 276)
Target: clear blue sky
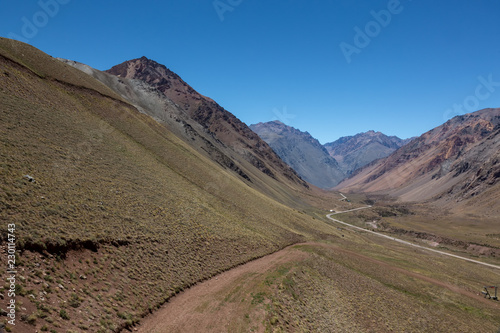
(266, 60)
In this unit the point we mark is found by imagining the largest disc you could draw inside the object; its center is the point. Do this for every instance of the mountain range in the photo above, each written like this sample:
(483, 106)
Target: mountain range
(354, 152)
(456, 163)
(122, 188)
(302, 152)
(325, 165)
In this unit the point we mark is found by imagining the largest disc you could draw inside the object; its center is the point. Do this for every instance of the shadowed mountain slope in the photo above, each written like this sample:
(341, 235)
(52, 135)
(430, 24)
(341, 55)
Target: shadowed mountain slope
(302, 152)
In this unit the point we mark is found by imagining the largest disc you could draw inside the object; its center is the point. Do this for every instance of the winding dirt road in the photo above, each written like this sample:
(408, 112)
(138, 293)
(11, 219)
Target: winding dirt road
(403, 241)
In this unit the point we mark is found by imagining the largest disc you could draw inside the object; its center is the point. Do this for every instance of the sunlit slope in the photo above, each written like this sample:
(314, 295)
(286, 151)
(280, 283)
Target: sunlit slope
(146, 213)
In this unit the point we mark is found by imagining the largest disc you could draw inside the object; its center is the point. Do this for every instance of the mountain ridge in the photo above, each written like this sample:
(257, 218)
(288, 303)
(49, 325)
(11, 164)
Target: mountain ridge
(332, 162)
(220, 123)
(354, 152)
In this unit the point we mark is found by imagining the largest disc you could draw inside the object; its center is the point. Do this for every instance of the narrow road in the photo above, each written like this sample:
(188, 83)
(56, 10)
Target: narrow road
(403, 241)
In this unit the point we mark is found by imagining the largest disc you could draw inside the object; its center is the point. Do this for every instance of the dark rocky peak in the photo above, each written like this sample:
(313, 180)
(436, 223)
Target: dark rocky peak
(149, 71)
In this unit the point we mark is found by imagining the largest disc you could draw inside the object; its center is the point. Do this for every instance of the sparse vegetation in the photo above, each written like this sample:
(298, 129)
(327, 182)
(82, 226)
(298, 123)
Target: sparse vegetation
(63, 314)
(123, 215)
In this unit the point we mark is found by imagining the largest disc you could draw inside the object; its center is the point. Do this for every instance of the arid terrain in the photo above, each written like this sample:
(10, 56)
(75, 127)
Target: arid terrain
(140, 204)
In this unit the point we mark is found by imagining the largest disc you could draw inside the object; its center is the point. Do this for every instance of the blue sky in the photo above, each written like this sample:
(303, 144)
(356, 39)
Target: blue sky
(414, 65)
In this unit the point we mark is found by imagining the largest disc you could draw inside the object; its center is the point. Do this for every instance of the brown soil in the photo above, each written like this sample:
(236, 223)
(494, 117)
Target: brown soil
(200, 308)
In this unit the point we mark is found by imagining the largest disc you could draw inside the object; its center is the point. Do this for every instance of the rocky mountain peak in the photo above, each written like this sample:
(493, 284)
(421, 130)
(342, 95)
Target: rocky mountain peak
(354, 152)
(151, 72)
(218, 122)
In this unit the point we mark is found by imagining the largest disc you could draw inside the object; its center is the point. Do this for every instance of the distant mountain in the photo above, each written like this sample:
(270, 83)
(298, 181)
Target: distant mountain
(354, 152)
(456, 162)
(302, 152)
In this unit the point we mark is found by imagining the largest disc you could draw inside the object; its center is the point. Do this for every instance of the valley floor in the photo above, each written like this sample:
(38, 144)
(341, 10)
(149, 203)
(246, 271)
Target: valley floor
(353, 282)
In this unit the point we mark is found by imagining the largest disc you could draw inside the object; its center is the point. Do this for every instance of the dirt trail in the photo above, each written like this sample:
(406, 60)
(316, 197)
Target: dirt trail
(329, 216)
(221, 304)
(206, 307)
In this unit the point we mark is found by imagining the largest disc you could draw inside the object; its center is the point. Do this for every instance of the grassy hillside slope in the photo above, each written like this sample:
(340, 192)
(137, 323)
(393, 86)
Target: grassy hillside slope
(120, 214)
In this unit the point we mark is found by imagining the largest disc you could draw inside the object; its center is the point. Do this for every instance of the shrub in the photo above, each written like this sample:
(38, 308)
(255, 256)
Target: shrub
(74, 301)
(64, 315)
(31, 319)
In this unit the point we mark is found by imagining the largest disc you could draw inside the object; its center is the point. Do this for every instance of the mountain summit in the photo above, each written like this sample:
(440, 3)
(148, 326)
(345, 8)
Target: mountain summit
(161, 78)
(215, 121)
(354, 152)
